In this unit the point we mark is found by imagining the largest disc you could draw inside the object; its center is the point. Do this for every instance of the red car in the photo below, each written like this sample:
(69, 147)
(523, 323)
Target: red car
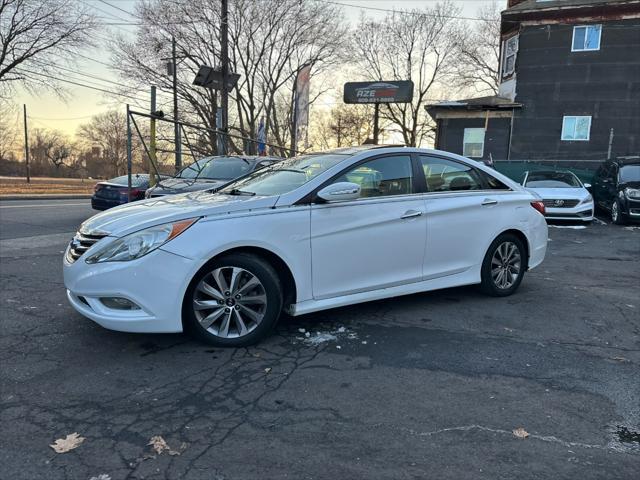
(114, 192)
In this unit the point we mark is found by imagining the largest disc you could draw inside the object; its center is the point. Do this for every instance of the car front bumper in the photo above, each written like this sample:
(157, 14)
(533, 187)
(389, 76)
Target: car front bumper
(156, 283)
(583, 212)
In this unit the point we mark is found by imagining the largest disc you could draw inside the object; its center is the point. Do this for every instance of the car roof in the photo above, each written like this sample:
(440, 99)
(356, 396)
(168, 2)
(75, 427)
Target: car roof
(251, 158)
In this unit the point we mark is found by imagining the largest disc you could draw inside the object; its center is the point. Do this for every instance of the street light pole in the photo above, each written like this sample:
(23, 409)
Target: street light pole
(224, 60)
(176, 126)
(26, 142)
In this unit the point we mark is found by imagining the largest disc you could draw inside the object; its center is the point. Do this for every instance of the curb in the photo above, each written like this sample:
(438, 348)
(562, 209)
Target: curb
(45, 196)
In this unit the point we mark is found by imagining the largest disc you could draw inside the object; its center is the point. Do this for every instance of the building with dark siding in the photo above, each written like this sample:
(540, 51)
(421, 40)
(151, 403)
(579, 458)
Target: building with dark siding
(570, 86)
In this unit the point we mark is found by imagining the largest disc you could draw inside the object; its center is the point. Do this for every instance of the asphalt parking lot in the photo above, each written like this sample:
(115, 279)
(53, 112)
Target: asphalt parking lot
(424, 386)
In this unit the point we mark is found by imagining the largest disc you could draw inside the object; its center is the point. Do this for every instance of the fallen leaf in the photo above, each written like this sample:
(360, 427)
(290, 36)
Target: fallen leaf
(158, 444)
(71, 441)
(521, 433)
(621, 359)
(267, 370)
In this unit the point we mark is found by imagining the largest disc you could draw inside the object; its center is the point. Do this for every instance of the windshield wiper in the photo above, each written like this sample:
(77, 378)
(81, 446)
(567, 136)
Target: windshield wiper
(236, 191)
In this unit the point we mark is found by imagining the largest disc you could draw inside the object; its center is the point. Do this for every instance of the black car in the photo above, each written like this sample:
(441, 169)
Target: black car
(210, 173)
(114, 192)
(616, 189)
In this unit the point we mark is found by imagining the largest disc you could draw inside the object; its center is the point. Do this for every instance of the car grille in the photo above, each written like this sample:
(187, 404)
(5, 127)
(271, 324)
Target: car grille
(81, 243)
(560, 203)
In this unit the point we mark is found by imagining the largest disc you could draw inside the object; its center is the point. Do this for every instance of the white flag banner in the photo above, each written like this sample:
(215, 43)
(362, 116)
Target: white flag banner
(302, 107)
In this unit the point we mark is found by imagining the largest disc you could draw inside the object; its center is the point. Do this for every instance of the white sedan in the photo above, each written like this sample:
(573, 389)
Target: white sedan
(564, 196)
(310, 233)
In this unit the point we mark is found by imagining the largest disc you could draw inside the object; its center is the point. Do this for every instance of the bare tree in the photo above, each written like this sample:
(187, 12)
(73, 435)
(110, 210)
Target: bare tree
(342, 126)
(479, 53)
(35, 37)
(8, 131)
(108, 132)
(48, 148)
(269, 40)
(415, 45)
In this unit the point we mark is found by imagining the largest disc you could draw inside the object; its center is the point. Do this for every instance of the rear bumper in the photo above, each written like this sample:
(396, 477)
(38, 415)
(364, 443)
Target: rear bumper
(98, 203)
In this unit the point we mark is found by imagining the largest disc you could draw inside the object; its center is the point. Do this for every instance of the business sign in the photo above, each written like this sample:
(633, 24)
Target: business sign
(397, 91)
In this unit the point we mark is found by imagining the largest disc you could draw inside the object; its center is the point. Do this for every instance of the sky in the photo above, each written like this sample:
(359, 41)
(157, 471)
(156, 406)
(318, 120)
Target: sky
(48, 111)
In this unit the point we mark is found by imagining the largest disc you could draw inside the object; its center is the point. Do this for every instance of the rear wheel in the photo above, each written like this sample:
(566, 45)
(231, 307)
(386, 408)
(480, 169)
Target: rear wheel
(503, 266)
(234, 302)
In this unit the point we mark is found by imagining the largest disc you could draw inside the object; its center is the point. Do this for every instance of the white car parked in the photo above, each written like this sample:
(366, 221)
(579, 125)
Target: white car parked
(310, 233)
(564, 196)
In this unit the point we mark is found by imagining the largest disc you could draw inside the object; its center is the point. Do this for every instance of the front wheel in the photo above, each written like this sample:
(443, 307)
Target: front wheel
(616, 213)
(234, 301)
(503, 266)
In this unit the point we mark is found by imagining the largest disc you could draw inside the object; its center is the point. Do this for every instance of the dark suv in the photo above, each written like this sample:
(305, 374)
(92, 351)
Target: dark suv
(616, 189)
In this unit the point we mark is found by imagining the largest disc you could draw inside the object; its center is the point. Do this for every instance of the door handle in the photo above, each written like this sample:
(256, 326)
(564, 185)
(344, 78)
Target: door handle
(489, 201)
(411, 214)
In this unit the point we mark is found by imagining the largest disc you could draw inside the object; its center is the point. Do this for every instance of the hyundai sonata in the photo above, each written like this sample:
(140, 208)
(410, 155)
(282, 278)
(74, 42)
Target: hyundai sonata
(307, 234)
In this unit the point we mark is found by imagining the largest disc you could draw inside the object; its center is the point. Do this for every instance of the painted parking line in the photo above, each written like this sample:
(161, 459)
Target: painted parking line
(47, 205)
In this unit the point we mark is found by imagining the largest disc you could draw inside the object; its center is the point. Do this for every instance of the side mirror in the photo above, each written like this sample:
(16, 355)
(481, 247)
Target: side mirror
(587, 186)
(340, 191)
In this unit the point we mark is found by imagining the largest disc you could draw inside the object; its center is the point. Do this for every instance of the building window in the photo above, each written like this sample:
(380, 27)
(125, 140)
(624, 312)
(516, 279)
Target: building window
(576, 128)
(509, 53)
(586, 38)
(473, 143)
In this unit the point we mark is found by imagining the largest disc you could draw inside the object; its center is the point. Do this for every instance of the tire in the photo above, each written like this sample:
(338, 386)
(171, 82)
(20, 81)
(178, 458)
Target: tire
(616, 213)
(234, 301)
(507, 280)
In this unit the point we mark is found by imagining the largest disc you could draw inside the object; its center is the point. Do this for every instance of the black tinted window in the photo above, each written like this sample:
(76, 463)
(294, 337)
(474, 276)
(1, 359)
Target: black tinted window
(492, 182)
(136, 180)
(382, 177)
(446, 175)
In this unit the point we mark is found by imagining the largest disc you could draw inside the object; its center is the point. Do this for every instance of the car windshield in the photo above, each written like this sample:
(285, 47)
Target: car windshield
(216, 168)
(630, 173)
(552, 180)
(284, 176)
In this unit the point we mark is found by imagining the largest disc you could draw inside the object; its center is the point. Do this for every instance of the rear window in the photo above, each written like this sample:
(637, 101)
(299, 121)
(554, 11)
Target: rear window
(136, 180)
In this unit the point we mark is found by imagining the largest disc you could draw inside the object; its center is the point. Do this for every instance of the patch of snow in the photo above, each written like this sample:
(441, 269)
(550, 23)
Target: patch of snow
(320, 338)
(631, 229)
(572, 227)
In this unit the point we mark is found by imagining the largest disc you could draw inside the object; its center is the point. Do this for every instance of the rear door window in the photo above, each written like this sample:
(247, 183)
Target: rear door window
(444, 175)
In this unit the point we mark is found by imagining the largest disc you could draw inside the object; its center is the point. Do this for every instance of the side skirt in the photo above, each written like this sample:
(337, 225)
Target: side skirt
(468, 277)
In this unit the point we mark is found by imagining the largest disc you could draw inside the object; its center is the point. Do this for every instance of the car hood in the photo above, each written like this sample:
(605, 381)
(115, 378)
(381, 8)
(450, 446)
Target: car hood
(630, 184)
(561, 193)
(134, 216)
(182, 185)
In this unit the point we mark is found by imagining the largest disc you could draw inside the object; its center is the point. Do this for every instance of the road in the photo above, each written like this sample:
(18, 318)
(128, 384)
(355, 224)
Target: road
(423, 386)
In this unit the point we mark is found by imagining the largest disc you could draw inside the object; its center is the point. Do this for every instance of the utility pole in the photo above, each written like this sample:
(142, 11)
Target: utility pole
(224, 60)
(26, 142)
(129, 154)
(152, 140)
(376, 119)
(176, 126)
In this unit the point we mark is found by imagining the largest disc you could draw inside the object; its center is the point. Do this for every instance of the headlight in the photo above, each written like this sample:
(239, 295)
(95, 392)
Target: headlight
(588, 199)
(138, 244)
(632, 192)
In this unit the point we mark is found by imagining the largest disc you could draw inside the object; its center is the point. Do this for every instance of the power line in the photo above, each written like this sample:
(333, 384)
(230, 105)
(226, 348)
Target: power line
(81, 84)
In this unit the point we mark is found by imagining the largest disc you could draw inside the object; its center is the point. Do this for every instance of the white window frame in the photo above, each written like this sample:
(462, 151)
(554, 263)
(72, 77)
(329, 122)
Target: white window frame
(562, 135)
(573, 38)
(515, 40)
(464, 143)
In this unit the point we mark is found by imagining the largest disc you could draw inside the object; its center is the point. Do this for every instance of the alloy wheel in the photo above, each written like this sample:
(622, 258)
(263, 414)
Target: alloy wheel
(505, 265)
(229, 302)
(615, 213)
